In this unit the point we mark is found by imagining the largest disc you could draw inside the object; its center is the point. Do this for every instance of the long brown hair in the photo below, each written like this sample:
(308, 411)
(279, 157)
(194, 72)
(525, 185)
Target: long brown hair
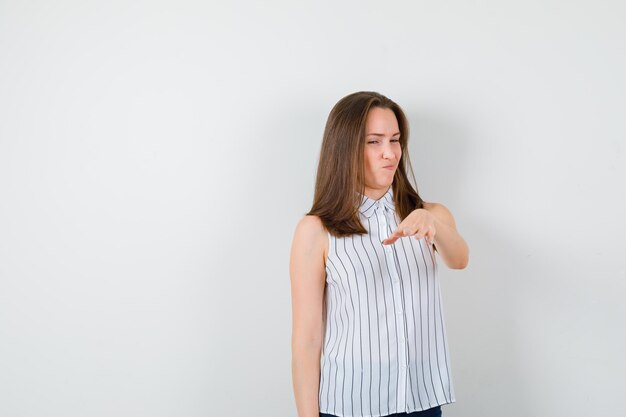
(340, 180)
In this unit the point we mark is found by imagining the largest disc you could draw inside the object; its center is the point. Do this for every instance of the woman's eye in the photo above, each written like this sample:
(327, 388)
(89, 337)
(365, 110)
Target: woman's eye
(373, 141)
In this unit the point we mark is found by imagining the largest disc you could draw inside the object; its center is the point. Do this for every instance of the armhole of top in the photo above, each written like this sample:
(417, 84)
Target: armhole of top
(435, 254)
(330, 246)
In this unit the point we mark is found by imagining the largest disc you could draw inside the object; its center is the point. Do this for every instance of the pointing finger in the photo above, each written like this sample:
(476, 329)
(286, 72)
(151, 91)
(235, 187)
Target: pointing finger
(398, 233)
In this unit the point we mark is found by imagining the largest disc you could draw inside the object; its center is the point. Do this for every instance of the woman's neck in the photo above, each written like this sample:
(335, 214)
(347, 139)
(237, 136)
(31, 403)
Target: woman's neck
(375, 193)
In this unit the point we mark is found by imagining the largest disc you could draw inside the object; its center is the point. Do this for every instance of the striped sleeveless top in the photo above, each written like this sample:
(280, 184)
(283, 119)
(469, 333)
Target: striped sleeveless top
(385, 349)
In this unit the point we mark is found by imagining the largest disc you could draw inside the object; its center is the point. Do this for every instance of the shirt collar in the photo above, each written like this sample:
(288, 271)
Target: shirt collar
(369, 205)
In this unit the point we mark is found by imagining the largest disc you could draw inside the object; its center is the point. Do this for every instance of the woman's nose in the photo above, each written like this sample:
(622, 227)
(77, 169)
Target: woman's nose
(387, 153)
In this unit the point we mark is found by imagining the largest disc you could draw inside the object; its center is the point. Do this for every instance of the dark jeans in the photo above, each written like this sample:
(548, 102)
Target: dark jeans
(431, 412)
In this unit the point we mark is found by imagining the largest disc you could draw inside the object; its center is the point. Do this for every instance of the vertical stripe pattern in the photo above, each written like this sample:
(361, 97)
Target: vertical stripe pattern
(385, 349)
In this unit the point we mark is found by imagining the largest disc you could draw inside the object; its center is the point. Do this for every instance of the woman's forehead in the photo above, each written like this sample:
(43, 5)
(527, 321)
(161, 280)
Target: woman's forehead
(382, 121)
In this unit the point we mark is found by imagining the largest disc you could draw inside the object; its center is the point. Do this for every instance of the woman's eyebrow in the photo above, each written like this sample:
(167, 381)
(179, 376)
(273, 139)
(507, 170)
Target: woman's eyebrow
(380, 134)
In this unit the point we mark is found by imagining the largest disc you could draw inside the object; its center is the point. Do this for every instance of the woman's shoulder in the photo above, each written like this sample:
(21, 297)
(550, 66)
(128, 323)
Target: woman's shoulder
(311, 235)
(311, 220)
(310, 225)
(440, 211)
(432, 205)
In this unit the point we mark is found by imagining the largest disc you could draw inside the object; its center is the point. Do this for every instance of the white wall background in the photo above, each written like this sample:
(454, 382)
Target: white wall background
(155, 157)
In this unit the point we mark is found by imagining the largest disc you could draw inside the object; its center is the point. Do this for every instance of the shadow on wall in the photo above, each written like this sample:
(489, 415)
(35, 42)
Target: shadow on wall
(438, 149)
(484, 308)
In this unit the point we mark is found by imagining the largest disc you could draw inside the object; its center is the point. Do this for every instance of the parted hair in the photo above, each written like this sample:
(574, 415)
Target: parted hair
(340, 183)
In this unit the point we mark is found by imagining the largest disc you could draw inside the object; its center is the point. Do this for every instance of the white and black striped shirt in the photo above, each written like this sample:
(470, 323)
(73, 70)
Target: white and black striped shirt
(385, 349)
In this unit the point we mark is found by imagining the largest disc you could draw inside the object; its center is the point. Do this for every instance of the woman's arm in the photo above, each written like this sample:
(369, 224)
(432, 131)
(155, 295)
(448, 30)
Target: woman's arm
(307, 270)
(448, 242)
(436, 223)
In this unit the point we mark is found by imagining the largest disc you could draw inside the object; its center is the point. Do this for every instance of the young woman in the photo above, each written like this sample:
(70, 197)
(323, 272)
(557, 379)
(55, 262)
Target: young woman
(368, 335)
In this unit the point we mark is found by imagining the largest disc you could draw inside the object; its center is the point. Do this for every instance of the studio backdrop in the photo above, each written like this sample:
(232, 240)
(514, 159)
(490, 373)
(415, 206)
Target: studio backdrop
(155, 157)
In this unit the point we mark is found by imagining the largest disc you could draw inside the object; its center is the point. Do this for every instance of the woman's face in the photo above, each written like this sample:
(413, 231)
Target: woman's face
(382, 151)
